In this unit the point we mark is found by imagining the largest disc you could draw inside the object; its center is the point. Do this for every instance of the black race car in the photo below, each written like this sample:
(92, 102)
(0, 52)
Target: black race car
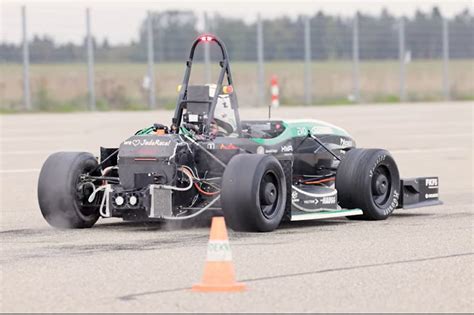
(258, 173)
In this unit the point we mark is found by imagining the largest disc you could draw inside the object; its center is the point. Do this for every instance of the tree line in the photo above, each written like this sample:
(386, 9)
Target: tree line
(331, 38)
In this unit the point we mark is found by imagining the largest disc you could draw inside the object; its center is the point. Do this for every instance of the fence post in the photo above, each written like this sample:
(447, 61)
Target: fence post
(446, 78)
(90, 62)
(151, 64)
(355, 59)
(260, 67)
(307, 61)
(26, 62)
(207, 51)
(401, 56)
(160, 49)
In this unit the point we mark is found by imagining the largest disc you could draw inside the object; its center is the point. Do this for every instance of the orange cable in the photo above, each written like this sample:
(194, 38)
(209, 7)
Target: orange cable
(206, 193)
(320, 181)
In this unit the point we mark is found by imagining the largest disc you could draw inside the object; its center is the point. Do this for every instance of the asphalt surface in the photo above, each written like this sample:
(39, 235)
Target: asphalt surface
(417, 260)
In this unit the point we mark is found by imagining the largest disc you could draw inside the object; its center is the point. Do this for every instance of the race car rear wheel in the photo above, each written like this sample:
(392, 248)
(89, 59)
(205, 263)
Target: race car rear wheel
(253, 194)
(60, 193)
(368, 179)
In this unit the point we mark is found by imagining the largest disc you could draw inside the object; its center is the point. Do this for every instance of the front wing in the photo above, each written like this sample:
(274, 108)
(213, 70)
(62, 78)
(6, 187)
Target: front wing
(419, 192)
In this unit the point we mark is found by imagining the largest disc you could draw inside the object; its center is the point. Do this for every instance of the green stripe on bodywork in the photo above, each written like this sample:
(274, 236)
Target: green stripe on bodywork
(294, 129)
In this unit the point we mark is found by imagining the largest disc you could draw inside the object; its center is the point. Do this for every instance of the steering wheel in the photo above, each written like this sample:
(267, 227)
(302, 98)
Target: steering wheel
(226, 126)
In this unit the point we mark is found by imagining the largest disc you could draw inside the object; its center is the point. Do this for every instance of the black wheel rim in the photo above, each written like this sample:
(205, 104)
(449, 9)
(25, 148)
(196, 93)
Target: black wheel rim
(83, 205)
(83, 191)
(381, 185)
(269, 194)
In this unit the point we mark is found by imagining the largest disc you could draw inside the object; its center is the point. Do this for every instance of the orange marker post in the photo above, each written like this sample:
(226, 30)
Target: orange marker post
(275, 91)
(219, 274)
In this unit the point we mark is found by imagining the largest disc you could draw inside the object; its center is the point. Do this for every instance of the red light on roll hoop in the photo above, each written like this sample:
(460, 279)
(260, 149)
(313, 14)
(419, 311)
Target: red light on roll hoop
(206, 38)
(227, 89)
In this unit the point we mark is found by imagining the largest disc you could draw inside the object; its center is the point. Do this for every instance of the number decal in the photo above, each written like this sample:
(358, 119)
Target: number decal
(301, 131)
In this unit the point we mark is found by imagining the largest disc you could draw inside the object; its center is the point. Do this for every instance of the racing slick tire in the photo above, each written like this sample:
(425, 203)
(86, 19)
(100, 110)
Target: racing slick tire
(253, 194)
(59, 194)
(368, 179)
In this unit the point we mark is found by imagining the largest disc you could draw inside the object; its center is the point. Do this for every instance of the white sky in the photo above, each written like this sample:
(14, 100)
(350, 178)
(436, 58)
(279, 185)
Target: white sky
(119, 20)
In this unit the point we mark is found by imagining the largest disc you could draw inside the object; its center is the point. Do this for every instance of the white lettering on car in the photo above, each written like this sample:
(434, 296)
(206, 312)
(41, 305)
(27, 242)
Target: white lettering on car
(146, 142)
(431, 182)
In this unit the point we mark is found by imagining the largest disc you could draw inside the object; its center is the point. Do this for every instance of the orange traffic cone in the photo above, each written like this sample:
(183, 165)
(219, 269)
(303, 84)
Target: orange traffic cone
(219, 275)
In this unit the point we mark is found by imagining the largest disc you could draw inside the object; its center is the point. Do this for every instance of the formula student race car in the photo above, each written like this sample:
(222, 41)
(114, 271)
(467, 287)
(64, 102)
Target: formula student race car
(257, 173)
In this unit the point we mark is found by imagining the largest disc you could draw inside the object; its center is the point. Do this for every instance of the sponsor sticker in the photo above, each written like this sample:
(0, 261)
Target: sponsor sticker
(228, 147)
(211, 146)
(321, 130)
(271, 151)
(431, 182)
(294, 195)
(311, 201)
(219, 251)
(330, 200)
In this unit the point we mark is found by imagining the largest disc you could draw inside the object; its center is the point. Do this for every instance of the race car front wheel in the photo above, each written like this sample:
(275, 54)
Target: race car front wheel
(253, 194)
(368, 179)
(61, 196)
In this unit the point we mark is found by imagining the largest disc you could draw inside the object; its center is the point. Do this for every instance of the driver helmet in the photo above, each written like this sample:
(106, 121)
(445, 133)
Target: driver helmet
(224, 114)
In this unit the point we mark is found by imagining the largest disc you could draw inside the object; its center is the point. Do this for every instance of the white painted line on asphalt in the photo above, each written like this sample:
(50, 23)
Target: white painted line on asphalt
(25, 170)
